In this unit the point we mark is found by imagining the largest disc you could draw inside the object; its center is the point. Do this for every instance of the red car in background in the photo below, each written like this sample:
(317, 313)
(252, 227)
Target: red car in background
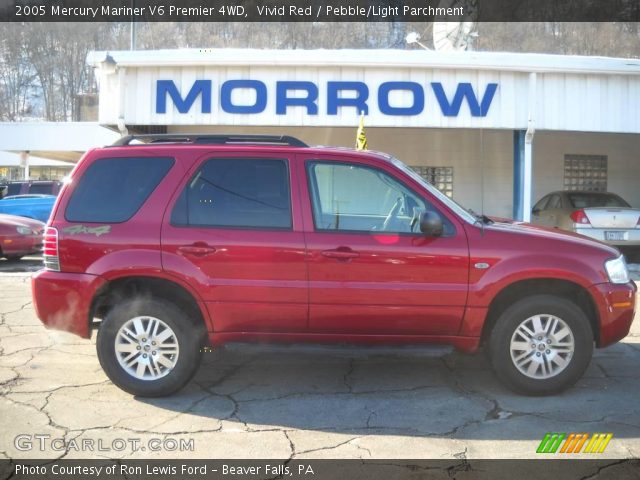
(19, 236)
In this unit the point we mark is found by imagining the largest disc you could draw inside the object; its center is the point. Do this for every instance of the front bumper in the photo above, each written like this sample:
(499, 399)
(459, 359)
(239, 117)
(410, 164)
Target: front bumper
(63, 300)
(616, 308)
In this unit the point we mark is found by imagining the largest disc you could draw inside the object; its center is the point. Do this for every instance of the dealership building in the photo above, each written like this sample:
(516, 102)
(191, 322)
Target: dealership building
(496, 131)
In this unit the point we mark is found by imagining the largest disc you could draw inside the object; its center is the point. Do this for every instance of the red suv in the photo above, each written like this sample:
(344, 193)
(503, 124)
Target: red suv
(174, 241)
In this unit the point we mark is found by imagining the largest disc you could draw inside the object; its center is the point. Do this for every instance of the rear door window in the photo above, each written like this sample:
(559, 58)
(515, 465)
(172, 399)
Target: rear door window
(236, 193)
(112, 190)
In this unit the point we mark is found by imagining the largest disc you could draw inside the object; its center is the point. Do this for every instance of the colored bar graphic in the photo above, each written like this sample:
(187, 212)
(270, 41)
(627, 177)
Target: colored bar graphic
(543, 443)
(605, 442)
(550, 442)
(585, 436)
(568, 444)
(598, 443)
(574, 442)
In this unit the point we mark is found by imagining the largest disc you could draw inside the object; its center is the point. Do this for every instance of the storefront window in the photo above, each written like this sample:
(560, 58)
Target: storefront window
(439, 177)
(585, 172)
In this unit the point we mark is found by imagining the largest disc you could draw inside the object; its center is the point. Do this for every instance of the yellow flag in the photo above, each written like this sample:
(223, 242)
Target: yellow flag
(361, 138)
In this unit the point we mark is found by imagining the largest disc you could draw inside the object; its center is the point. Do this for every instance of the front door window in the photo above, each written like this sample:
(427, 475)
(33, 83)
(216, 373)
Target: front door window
(356, 198)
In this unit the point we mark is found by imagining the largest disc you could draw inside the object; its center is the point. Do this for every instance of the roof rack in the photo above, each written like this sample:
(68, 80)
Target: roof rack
(205, 139)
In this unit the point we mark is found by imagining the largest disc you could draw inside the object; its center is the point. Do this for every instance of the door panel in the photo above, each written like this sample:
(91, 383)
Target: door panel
(391, 282)
(235, 232)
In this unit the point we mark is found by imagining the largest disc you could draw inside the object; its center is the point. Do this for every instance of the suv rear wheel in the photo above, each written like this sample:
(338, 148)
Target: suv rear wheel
(541, 345)
(148, 346)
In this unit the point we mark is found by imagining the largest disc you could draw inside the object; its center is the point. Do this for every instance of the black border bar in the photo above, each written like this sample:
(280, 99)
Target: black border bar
(319, 10)
(392, 469)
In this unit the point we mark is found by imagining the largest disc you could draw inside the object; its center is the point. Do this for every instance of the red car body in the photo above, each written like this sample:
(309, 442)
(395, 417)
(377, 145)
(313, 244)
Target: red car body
(303, 285)
(19, 236)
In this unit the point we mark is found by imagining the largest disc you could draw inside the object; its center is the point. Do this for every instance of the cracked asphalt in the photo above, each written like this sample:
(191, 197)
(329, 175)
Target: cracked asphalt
(292, 405)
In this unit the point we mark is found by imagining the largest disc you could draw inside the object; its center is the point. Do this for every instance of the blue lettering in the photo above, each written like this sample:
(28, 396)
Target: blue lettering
(464, 90)
(418, 98)
(167, 87)
(283, 101)
(359, 102)
(308, 93)
(228, 87)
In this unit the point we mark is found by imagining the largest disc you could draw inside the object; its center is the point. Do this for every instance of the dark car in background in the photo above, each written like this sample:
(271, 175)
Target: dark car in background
(38, 187)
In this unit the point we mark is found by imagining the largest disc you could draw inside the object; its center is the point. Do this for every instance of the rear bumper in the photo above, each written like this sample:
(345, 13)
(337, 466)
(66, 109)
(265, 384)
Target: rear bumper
(63, 300)
(21, 244)
(616, 308)
(631, 236)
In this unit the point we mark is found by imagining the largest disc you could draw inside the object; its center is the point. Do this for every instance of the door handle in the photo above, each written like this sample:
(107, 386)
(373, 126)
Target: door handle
(342, 253)
(197, 249)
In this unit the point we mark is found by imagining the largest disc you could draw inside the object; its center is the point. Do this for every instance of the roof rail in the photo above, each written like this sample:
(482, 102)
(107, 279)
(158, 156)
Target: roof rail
(206, 139)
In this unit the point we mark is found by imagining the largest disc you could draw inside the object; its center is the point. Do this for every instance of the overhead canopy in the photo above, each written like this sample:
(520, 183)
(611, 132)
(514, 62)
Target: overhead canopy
(11, 159)
(65, 141)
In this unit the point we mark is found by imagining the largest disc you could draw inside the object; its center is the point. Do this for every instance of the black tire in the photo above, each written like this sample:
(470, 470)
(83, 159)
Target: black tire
(13, 258)
(510, 320)
(189, 336)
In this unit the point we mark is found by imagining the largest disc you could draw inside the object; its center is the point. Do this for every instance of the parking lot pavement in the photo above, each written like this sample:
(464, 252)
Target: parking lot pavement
(280, 405)
(26, 264)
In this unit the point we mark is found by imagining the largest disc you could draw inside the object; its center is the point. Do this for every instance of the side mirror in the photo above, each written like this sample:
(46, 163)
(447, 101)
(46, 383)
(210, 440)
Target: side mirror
(431, 224)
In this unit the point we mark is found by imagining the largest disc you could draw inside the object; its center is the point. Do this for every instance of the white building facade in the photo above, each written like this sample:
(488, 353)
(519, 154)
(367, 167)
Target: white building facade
(496, 131)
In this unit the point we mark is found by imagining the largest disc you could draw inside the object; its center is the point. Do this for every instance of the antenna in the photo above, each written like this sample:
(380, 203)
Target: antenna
(448, 36)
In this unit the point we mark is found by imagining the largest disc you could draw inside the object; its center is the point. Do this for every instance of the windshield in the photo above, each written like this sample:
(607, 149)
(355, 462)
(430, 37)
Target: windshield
(458, 209)
(586, 200)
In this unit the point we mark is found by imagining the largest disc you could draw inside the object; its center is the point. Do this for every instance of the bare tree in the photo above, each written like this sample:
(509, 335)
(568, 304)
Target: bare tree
(16, 76)
(57, 53)
(43, 65)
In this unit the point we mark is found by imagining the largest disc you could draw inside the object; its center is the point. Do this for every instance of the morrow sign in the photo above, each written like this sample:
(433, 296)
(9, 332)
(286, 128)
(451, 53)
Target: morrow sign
(250, 97)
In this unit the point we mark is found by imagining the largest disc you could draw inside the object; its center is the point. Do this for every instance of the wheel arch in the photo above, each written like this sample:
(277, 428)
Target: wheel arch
(129, 286)
(541, 286)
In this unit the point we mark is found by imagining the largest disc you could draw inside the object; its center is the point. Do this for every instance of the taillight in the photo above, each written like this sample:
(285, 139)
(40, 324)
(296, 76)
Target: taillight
(580, 217)
(50, 250)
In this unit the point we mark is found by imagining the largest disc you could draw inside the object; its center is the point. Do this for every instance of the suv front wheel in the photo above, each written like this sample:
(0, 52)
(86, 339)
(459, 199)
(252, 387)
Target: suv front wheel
(541, 345)
(148, 346)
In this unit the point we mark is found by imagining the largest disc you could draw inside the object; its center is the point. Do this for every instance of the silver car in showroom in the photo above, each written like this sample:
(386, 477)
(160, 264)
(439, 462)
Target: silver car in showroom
(603, 216)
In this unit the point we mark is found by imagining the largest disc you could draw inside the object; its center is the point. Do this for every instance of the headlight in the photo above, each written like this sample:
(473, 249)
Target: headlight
(617, 270)
(24, 231)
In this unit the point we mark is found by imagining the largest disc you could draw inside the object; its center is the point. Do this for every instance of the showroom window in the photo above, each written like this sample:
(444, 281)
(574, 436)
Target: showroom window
(439, 177)
(585, 172)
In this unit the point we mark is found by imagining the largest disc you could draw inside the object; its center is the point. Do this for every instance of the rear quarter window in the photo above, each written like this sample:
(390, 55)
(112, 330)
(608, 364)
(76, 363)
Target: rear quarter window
(112, 190)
